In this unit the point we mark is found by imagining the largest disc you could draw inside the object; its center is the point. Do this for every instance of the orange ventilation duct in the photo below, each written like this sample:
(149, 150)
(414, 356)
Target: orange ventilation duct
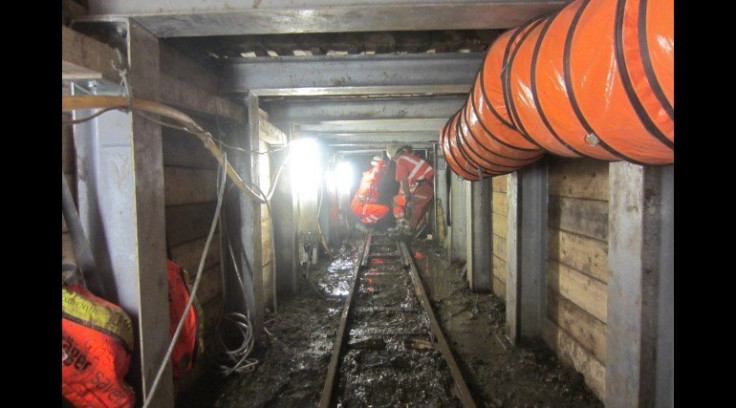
(594, 79)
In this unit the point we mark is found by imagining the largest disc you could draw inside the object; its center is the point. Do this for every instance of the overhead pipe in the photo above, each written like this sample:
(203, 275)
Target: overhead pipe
(593, 79)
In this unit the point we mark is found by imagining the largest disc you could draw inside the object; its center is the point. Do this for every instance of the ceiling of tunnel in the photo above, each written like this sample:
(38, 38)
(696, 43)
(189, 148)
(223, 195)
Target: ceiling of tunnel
(355, 73)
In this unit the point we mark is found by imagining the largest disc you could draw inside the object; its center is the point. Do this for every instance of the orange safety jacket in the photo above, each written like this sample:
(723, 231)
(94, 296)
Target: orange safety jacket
(414, 169)
(365, 201)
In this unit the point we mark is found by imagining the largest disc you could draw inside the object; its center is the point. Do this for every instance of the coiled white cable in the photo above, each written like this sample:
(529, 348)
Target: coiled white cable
(197, 280)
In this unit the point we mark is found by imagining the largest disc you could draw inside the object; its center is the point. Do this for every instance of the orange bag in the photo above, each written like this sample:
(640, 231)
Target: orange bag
(182, 356)
(96, 346)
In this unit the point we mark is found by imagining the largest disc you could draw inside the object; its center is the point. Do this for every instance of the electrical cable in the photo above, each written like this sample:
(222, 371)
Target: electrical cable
(195, 286)
(238, 360)
(71, 103)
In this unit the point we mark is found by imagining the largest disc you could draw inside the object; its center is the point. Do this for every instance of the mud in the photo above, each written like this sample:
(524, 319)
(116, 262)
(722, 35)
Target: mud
(383, 367)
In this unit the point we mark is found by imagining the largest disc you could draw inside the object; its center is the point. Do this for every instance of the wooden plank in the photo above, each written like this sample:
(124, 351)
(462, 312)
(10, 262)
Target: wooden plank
(499, 183)
(85, 57)
(589, 256)
(270, 133)
(187, 186)
(578, 178)
(499, 225)
(499, 288)
(188, 222)
(499, 203)
(581, 325)
(179, 66)
(182, 149)
(499, 246)
(573, 354)
(188, 254)
(210, 286)
(584, 217)
(589, 294)
(499, 269)
(212, 310)
(186, 96)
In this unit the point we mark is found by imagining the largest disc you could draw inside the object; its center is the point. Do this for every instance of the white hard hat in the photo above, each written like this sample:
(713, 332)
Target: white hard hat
(393, 149)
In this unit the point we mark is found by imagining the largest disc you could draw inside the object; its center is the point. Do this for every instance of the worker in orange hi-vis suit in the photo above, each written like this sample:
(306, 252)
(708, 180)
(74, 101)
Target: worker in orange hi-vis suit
(366, 201)
(416, 178)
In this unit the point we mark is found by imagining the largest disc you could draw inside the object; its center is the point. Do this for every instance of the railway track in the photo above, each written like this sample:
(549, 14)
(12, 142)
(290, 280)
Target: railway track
(390, 349)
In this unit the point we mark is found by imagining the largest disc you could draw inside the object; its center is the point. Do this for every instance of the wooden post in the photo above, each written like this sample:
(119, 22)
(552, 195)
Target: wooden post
(252, 220)
(640, 330)
(512, 258)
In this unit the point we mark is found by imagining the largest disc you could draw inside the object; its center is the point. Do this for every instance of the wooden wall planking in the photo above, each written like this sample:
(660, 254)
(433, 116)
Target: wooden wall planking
(578, 178)
(499, 277)
(188, 254)
(185, 150)
(499, 247)
(188, 186)
(188, 222)
(499, 228)
(499, 203)
(572, 353)
(586, 255)
(499, 268)
(499, 183)
(578, 324)
(210, 285)
(577, 265)
(499, 225)
(590, 294)
(581, 216)
(499, 288)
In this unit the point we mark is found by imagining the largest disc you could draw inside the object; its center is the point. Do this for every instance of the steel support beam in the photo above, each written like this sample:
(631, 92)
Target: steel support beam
(354, 74)
(373, 138)
(532, 258)
(640, 326)
(317, 110)
(408, 125)
(479, 235)
(121, 191)
(189, 18)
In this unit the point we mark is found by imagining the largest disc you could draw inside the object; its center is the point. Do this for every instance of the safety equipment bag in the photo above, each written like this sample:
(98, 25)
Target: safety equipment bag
(182, 357)
(96, 347)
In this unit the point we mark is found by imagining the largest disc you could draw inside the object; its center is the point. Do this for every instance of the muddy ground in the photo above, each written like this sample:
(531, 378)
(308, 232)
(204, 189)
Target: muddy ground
(293, 358)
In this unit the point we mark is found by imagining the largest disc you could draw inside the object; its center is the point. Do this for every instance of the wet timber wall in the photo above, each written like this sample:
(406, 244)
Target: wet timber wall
(577, 266)
(190, 182)
(577, 262)
(499, 228)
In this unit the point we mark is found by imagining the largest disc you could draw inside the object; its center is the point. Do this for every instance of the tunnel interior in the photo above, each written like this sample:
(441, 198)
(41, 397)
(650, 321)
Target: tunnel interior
(231, 139)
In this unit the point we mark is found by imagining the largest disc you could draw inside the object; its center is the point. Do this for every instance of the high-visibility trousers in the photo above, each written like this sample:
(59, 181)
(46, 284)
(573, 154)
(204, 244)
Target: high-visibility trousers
(369, 213)
(421, 198)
